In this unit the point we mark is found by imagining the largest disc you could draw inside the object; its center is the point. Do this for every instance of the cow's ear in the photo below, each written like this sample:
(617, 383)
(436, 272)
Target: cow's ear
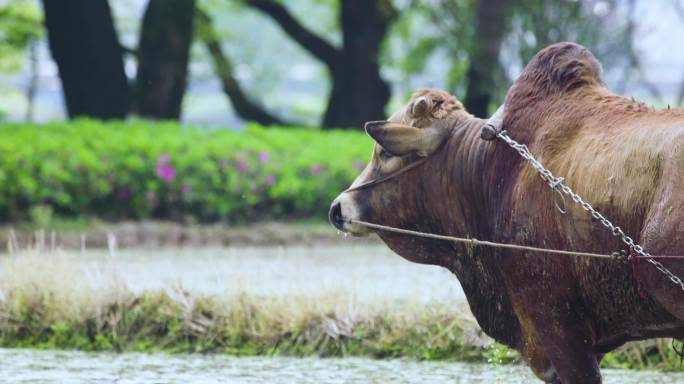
(421, 107)
(399, 139)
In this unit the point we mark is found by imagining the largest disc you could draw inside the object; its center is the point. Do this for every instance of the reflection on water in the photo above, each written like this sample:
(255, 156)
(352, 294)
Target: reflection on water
(369, 272)
(27, 366)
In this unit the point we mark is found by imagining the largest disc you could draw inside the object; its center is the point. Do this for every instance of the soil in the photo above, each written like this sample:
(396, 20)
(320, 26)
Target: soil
(170, 234)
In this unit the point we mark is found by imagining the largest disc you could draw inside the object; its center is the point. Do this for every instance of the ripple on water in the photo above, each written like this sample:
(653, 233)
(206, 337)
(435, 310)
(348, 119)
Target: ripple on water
(31, 366)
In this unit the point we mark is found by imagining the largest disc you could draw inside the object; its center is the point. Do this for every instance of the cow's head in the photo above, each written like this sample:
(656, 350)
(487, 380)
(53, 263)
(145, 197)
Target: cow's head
(417, 130)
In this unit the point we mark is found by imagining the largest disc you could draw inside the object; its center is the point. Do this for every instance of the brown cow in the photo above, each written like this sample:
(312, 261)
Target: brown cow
(561, 313)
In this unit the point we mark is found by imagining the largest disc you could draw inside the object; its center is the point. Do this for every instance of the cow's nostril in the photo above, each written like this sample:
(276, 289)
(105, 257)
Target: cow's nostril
(335, 215)
(372, 128)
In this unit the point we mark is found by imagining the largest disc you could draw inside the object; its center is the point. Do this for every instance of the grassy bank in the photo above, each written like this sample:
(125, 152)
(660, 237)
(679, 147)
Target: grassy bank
(46, 303)
(240, 326)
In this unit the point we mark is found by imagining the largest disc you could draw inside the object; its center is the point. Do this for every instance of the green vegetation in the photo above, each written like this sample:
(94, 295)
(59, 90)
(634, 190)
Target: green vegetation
(20, 26)
(649, 354)
(141, 170)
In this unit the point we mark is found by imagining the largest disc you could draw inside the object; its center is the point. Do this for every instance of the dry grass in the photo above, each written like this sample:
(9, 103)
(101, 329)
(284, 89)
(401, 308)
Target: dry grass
(47, 302)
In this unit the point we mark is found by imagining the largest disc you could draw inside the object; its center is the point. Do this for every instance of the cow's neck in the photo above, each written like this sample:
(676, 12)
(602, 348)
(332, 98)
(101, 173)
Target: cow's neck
(461, 179)
(452, 198)
(468, 201)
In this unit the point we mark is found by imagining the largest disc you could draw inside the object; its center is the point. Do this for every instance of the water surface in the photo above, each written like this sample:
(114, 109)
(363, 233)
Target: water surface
(32, 367)
(368, 272)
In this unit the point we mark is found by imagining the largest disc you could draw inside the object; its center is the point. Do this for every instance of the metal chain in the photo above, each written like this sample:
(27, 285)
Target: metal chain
(556, 184)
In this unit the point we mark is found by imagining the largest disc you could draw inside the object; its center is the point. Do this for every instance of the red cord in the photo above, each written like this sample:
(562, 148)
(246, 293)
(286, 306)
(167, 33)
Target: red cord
(660, 257)
(634, 257)
(635, 272)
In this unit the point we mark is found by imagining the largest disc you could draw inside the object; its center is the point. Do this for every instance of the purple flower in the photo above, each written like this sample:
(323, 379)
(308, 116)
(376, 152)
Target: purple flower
(270, 180)
(185, 188)
(359, 166)
(124, 194)
(241, 165)
(165, 170)
(263, 157)
(316, 169)
(166, 173)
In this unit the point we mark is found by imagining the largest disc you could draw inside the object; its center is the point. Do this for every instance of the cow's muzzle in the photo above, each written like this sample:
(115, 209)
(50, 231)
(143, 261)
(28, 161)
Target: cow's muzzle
(335, 215)
(342, 211)
(373, 129)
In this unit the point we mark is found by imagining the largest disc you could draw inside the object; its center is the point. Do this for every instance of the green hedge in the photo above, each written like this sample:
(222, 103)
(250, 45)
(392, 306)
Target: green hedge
(139, 169)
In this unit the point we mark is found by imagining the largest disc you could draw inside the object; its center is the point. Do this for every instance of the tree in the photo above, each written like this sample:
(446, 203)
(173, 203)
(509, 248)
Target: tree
(19, 28)
(163, 55)
(20, 22)
(490, 29)
(600, 25)
(507, 33)
(86, 49)
(243, 105)
(358, 92)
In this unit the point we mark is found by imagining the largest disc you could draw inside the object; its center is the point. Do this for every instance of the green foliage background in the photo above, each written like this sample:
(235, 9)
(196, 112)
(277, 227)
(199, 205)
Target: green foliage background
(20, 25)
(109, 170)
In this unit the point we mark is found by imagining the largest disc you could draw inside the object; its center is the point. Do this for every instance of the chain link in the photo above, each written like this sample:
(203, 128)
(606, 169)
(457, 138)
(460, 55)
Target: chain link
(556, 184)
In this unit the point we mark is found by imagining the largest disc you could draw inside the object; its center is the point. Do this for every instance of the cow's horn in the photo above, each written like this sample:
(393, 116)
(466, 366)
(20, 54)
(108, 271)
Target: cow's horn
(492, 127)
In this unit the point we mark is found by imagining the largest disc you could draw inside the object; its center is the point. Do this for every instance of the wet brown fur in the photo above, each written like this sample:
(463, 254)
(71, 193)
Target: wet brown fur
(625, 158)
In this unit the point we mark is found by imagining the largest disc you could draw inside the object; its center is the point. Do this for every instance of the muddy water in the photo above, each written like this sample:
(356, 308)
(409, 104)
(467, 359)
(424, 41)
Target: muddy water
(27, 366)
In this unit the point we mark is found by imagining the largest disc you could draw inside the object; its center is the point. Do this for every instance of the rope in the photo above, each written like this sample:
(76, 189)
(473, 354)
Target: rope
(392, 175)
(475, 242)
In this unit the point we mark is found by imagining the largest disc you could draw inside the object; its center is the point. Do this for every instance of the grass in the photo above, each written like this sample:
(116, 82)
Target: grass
(54, 306)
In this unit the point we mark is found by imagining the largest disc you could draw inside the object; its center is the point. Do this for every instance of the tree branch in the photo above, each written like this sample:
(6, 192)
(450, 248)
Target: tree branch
(244, 107)
(313, 43)
(128, 50)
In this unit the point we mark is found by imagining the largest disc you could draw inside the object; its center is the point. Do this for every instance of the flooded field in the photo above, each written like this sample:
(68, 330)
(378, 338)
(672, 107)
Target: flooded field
(32, 367)
(368, 272)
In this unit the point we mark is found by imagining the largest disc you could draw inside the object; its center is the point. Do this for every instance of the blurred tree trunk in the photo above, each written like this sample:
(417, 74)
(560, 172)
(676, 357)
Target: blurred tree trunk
(358, 92)
(32, 86)
(490, 28)
(163, 54)
(85, 47)
(244, 107)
